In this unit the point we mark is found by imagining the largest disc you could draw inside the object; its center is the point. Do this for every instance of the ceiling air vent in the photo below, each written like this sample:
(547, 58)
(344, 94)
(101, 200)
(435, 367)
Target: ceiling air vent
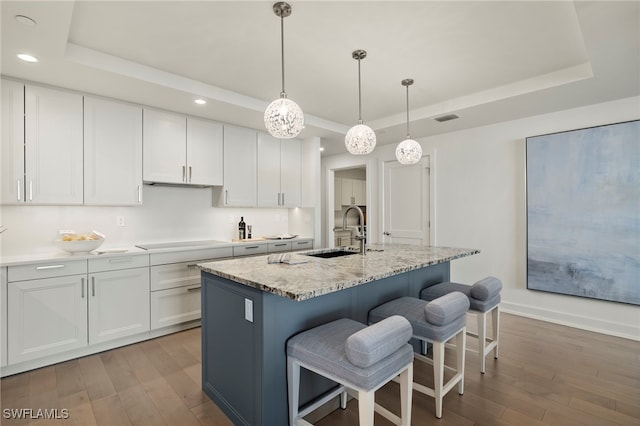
(447, 117)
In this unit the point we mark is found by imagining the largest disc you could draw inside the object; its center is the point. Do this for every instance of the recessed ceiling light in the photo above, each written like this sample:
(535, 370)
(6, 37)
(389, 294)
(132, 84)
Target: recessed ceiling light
(321, 148)
(25, 20)
(200, 101)
(27, 58)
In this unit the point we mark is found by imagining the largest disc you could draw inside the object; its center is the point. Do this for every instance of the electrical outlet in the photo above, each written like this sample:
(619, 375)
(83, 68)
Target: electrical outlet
(120, 220)
(307, 218)
(231, 220)
(248, 310)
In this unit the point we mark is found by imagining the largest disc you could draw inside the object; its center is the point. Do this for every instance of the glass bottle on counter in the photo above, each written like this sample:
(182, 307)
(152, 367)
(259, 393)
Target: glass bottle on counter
(242, 229)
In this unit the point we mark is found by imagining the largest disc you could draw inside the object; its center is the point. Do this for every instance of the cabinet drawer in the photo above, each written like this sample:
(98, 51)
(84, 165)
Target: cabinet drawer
(301, 245)
(189, 255)
(175, 275)
(249, 250)
(118, 262)
(282, 246)
(174, 306)
(47, 270)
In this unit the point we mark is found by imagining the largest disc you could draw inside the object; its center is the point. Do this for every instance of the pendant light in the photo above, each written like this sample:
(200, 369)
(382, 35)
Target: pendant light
(360, 139)
(283, 118)
(408, 151)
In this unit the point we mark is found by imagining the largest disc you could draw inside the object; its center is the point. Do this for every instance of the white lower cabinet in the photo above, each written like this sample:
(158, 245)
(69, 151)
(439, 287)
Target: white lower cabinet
(3, 317)
(175, 285)
(46, 316)
(175, 306)
(175, 294)
(118, 304)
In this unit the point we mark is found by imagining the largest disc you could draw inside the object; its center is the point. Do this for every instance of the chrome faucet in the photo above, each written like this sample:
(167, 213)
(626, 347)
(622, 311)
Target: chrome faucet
(362, 235)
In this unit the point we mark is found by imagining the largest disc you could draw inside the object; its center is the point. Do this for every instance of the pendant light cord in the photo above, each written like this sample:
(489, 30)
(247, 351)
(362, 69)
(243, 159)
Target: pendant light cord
(359, 96)
(408, 134)
(283, 93)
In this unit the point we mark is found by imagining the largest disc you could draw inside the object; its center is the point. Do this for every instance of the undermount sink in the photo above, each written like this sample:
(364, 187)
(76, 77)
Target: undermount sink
(330, 254)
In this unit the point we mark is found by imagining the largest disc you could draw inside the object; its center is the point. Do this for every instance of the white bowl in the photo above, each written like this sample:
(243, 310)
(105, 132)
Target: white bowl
(80, 246)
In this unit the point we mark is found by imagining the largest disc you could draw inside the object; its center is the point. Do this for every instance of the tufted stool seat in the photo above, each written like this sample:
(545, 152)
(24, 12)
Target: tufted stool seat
(484, 299)
(360, 359)
(433, 322)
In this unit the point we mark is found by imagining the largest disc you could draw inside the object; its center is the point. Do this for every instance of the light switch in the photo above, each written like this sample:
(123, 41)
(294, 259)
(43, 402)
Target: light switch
(248, 310)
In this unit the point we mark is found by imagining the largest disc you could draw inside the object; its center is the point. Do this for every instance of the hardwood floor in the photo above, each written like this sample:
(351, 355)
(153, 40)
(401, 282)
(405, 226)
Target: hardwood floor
(546, 375)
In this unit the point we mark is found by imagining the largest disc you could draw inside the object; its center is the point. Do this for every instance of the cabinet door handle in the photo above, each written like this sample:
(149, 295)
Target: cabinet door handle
(283, 198)
(353, 200)
(19, 192)
(251, 247)
(121, 260)
(278, 198)
(93, 286)
(139, 194)
(30, 190)
(194, 289)
(82, 287)
(40, 268)
(226, 197)
(184, 173)
(386, 233)
(302, 242)
(190, 173)
(280, 245)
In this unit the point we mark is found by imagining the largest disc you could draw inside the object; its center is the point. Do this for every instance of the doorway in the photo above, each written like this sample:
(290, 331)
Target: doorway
(406, 203)
(349, 189)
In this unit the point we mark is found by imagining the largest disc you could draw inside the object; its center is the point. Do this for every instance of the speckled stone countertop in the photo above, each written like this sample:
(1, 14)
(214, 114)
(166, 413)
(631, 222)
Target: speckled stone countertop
(320, 276)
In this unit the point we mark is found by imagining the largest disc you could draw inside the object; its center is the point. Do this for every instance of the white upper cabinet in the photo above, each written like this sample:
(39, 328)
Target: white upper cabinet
(353, 192)
(41, 145)
(204, 152)
(182, 150)
(291, 172)
(279, 172)
(112, 153)
(12, 142)
(53, 146)
(165, 147)
(240, 167)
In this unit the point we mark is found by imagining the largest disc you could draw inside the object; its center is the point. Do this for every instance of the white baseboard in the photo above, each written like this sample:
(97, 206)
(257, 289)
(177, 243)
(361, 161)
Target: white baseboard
(598, 325)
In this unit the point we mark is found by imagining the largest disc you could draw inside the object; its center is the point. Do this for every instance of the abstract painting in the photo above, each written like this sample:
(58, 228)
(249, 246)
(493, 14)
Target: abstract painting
(583, 212)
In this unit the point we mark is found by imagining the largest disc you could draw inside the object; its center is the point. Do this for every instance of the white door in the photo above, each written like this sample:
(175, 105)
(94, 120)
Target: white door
(46, 316)
(165, 147)
(112, 153)
(53, 146)
(406, 203)
(240, 167)
(118, 304)
(204, 152)
(291, 172)
(268, 171)
(12, 167)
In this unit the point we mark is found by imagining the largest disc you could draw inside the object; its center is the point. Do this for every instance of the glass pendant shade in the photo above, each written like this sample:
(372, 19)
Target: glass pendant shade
(284, 119)
(408, 152)
(360, 139)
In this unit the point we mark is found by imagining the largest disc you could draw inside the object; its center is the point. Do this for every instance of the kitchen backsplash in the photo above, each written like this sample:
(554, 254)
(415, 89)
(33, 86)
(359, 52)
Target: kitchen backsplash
(168, 214)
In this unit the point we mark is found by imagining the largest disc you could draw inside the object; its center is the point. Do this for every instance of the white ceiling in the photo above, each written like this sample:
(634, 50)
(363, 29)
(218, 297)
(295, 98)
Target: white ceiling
(484, 61)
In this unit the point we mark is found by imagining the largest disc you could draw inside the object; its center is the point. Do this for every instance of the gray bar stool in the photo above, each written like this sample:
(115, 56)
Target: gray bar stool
(434, 322)
(360, 359)
(484, 299)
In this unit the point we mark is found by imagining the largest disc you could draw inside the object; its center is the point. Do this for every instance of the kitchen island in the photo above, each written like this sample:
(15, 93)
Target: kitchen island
(251, 308)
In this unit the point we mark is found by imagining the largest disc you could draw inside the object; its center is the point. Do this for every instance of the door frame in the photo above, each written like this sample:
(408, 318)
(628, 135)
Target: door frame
(330, 198)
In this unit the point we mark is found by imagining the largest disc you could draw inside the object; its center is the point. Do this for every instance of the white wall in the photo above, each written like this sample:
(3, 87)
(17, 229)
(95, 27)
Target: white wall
(168, 214)
(480, 202)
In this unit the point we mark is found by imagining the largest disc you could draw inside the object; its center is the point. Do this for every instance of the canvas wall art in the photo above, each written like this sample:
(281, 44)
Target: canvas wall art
(583, 212)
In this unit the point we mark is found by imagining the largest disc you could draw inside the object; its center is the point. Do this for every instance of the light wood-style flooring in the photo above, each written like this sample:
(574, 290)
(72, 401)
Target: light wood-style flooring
(547, 374)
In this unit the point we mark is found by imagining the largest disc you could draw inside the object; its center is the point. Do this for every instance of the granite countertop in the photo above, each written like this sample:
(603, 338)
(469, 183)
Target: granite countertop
(320, 276)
